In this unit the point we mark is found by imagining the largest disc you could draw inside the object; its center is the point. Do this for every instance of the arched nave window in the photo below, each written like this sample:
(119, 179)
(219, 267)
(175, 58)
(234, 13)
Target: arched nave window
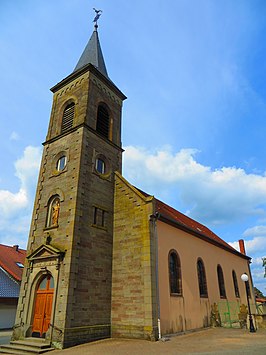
(202, 279)
(175, 273)
(220, 276)
(235, 284)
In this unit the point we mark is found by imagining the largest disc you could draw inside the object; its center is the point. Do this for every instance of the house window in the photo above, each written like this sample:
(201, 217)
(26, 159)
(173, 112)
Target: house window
(175, 273)
(53, 211)
(221, 282)
(102, 126)
(235, 284)
(61, 163)
(68, 117)
(202, 279)
(99, 217)
(100, 166)
(20, 265)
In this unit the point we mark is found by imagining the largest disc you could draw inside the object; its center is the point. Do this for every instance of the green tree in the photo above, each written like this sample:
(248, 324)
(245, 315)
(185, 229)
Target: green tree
(264, 264)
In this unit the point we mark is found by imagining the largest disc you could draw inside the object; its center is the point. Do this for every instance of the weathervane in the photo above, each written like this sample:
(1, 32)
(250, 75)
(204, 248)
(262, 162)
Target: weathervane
(96, 18)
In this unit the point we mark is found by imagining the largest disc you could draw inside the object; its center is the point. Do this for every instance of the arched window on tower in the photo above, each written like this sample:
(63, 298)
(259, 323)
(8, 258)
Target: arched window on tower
(68, 117)
(103, 121)
(175, 274)
(53, 211)
(235, 284)
(202, 279)
(221, 282)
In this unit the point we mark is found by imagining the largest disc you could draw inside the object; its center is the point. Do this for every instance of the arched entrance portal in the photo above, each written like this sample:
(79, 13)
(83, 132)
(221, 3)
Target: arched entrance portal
(43, 306)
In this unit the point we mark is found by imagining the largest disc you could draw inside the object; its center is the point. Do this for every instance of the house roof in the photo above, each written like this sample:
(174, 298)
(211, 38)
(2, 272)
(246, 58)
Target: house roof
(260, 300)
(9, 257)
(9, 288)
(171, 216)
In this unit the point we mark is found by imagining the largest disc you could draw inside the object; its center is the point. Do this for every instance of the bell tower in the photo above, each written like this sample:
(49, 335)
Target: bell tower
(66, 287)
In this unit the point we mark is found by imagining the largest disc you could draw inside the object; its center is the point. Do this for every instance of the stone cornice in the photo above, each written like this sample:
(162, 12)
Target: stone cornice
(92, 69)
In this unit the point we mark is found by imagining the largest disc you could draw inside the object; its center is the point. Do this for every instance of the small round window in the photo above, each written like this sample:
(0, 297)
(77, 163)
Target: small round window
(100, 166)
(61, 163)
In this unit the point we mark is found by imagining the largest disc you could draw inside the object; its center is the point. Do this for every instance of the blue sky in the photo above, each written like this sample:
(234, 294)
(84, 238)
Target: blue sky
(194, 121)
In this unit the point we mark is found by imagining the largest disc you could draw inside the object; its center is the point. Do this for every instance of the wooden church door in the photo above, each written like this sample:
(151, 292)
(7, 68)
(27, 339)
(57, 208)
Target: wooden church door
(43, 307)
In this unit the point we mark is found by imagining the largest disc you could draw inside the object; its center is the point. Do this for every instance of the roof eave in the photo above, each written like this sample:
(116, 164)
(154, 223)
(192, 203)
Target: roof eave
(10, 273)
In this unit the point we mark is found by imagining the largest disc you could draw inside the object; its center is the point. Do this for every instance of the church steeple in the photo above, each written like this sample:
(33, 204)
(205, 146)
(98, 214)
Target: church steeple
(93, 54)
(81, 153)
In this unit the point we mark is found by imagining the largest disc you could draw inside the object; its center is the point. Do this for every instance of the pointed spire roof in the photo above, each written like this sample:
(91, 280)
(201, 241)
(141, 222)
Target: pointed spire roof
(93, 54)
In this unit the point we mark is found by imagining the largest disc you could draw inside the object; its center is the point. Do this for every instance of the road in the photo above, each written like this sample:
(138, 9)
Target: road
(218, 341)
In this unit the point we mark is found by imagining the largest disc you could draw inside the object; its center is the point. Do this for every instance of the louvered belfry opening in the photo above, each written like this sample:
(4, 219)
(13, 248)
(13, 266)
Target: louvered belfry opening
(102, 126)
(68, 117)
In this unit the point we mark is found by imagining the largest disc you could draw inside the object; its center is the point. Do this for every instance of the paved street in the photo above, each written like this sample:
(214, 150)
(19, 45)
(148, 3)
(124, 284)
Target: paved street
(218, 341)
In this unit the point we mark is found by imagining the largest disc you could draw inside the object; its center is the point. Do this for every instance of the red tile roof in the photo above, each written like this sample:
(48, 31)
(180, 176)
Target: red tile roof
(9, 257)
(169, 215)
(260, 300)
(185, 221)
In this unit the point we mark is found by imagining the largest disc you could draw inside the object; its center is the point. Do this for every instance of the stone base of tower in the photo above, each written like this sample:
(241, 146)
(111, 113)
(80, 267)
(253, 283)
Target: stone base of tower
(68, 337)
(80, 335)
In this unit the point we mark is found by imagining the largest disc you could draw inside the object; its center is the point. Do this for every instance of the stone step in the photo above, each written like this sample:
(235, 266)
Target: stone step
(37, 340)
(21, 351)
(26, 347)
(32, 342)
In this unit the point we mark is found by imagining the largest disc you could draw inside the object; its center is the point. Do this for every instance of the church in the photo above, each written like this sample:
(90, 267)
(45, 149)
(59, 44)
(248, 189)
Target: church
(105, 259)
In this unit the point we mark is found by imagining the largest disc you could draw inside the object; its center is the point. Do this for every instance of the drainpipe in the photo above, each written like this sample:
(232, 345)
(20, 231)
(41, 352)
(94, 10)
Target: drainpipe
(153, 219)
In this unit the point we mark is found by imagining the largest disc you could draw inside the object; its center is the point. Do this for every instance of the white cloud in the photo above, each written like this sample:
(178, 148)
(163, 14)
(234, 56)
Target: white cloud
(15, 207)
(255, 231)
(10, 202)
(257, 261)
(212, 196)
(254, 246)
(255, 243)
(27, 167)
(14, 136)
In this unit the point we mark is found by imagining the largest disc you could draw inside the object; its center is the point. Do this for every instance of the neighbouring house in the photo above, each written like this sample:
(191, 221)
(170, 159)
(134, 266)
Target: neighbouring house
(261, 305)
(11, 265)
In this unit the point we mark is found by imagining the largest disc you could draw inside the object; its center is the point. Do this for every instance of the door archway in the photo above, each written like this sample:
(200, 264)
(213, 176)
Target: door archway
(43, 306)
